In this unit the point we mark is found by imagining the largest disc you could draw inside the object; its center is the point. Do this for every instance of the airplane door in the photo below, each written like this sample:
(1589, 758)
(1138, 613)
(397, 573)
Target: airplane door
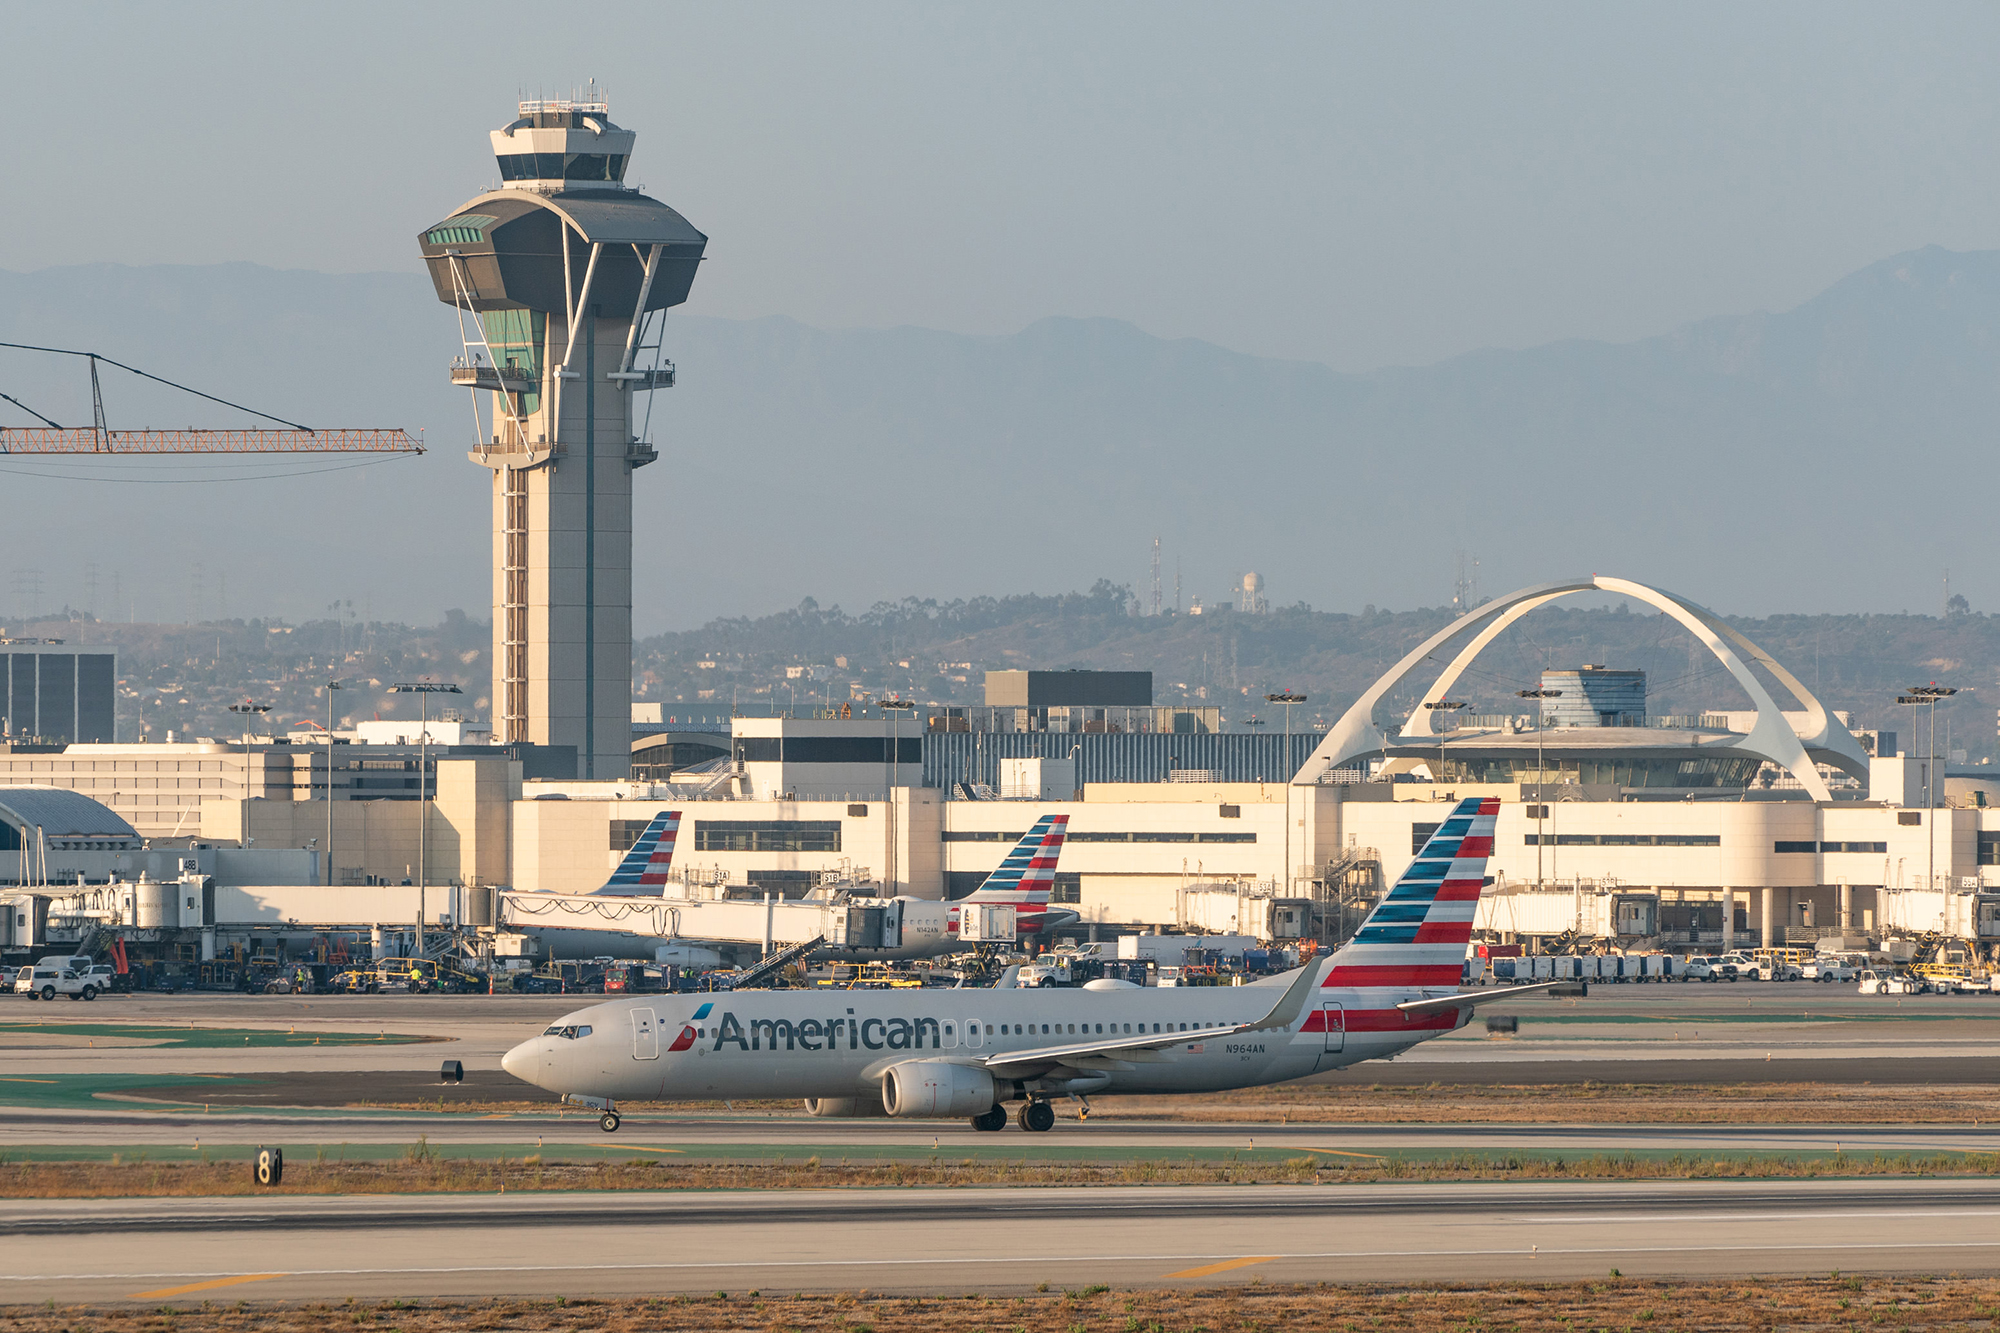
(975, 1035)
(645, 1035)
(1336, 1026)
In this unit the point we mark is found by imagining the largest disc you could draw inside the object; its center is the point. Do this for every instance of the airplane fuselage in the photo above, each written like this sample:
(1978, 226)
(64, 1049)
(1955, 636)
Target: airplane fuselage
(839, 1043)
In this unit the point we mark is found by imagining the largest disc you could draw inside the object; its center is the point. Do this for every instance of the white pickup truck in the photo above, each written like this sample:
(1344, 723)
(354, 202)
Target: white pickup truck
(50, 977)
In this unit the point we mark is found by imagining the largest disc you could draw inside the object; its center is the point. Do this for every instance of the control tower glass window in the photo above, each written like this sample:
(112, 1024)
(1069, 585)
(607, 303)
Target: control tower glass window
(516, 338)
(561, 166)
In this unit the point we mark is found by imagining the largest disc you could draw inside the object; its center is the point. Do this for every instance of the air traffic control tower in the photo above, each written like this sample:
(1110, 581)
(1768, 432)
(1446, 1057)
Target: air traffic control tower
(556, 276)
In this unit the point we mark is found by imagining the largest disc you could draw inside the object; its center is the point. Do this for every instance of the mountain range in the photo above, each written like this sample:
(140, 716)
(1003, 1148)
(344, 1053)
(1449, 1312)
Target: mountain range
(1833, 457)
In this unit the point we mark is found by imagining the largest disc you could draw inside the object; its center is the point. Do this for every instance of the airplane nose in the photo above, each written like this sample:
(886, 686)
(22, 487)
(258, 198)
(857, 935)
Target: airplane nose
(521, 1062)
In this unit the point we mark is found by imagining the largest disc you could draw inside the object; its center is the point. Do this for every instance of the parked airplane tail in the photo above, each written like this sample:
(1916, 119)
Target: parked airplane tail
(1028, 875)
(1417, 934)
(643, 872)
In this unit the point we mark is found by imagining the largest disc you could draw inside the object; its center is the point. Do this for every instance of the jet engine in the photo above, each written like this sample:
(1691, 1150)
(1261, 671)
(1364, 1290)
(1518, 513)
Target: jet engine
(844, 1108)
(937, 1088)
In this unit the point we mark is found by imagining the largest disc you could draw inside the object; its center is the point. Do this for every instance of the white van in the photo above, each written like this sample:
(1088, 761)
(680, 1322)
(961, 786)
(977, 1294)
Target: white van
(51, 977)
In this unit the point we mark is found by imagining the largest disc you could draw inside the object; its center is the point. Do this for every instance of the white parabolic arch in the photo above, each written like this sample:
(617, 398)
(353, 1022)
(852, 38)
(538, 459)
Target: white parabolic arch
(1773, 736)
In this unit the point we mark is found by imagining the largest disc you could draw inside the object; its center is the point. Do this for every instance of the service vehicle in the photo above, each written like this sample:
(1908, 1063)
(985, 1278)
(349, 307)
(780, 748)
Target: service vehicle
(1834, 967)
(1887, 981)
(1707, 967)
(50, 977)
(968, 1052)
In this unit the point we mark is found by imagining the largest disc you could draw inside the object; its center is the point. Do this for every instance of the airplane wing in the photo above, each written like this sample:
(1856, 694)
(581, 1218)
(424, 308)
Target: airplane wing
(1472, 1000)
(1283, 1014)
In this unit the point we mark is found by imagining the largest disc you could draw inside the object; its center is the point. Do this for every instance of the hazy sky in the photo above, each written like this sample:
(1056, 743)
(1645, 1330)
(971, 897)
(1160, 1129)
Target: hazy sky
(1360, 185)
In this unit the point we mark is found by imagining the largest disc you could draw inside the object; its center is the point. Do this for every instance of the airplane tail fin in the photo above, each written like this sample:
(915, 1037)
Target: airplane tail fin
(643, 872)
(1029, 872)
(1417, 934)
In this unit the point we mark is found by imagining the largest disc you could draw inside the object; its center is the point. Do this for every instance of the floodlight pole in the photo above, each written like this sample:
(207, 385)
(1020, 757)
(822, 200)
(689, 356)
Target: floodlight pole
(331, 686)
(895, 708)
(1287, 698)
(1928, 697)
(1541, 777)
(424, 690)
(245, 710)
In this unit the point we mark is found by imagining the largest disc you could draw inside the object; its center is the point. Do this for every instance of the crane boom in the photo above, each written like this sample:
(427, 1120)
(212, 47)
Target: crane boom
(21, 440)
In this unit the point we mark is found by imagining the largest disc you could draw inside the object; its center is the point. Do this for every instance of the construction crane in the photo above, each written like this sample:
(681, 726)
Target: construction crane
(98, 437)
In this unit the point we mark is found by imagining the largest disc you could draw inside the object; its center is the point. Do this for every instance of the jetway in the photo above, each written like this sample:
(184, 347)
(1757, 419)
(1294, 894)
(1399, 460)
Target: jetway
(587, 926)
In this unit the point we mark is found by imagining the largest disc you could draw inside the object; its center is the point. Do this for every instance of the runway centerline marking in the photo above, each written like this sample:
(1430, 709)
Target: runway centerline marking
(209, 1285)
(1210, 1270)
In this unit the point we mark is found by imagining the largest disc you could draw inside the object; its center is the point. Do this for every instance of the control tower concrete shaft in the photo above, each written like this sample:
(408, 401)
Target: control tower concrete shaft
(555, 276)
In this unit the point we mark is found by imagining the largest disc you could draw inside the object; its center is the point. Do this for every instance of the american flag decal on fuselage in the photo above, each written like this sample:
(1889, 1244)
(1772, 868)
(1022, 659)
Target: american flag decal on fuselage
(1417, 934)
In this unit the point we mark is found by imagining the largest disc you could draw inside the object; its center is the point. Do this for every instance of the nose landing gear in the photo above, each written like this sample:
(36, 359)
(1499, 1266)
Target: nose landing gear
(607, 1120)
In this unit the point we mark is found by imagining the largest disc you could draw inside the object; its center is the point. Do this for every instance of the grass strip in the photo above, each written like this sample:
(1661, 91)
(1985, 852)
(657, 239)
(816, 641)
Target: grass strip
(1748, 1305)
(423, 1169)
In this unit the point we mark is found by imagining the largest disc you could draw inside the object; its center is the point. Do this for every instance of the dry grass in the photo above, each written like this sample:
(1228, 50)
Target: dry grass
(1453, 1103)
(422, 1171)
(1747, 1306)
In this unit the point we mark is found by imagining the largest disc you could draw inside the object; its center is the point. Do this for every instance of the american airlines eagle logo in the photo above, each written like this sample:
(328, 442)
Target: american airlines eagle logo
(686, 1038)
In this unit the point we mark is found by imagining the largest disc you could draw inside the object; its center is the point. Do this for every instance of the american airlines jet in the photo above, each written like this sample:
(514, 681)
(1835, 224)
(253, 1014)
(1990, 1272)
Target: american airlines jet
(968, 1053)
(917, 927)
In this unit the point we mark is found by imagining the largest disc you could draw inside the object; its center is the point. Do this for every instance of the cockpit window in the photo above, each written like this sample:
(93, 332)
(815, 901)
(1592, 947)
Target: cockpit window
(570, 1032)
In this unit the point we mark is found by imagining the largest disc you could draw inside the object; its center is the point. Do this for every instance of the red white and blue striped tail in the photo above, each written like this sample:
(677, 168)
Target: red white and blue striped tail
(1028, 873)
(643, 872)
(1417, 934)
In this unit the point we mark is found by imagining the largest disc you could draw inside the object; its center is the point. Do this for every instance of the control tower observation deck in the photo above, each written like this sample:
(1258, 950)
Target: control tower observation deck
(557, 276)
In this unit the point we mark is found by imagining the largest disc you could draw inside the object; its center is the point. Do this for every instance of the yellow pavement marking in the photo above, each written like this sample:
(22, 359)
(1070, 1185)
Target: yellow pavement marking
(1373, 1157)
(498, 1115)
(27, 1080)
(1212, 1269)
(210, 1285)
(636, 1147)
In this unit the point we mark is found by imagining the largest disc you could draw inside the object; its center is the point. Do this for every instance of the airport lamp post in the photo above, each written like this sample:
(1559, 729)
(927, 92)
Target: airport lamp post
(247, 710)
(1927, 697)
(331, 686)
(895, 708)
(423, 689)
(1443, 706)
(1541, 778)
(1287, 698)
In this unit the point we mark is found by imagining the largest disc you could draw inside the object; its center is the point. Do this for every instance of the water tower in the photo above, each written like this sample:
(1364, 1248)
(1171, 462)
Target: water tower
(557, 276)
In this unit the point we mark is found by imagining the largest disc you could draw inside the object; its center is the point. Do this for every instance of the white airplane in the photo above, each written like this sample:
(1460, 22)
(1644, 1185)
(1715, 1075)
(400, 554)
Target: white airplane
(916, 927)
(953, 1053)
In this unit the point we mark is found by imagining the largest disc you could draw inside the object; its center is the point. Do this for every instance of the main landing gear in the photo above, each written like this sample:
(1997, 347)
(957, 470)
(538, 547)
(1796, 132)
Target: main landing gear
(1036, 1116)
(992, 1119)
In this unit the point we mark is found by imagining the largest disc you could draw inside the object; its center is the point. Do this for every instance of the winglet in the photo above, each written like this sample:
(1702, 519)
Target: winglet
(1291, 1004)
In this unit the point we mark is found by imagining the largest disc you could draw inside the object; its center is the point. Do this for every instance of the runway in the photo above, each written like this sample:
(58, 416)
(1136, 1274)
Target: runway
(983, 1240)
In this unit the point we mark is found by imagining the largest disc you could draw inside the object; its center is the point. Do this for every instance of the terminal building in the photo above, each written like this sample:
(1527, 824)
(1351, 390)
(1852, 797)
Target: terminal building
(1728, 828)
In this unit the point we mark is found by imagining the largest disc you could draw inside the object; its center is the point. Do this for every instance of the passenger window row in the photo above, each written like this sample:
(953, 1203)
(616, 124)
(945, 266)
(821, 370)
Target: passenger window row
(1019, 1029)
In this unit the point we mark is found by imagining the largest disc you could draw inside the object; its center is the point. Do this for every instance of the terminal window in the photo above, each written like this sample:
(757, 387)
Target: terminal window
(1626, 840)
(1989, 849)
(1162, 837)
(767, 835)
(625, 833)
(1067, 888)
